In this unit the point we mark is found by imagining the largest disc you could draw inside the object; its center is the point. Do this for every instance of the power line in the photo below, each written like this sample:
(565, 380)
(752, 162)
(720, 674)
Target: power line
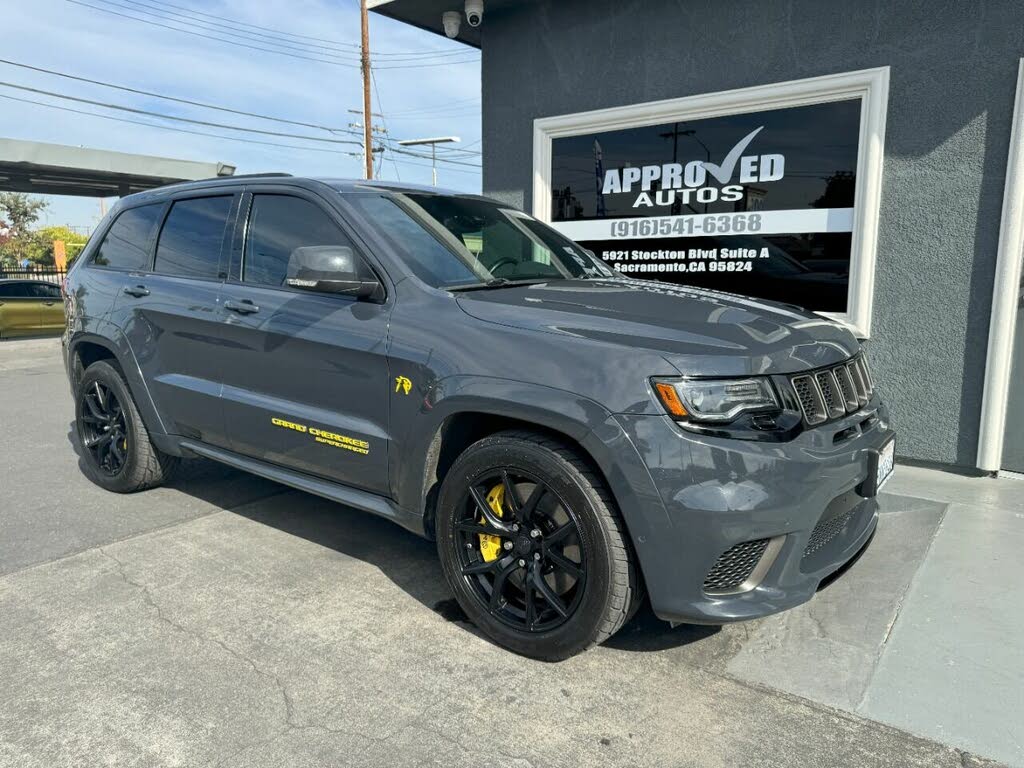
(433, 107)
(151, 94)
(440, 116)
(238, 139)
(158, 11)
(322, 58)
(376, 93)
(282, 33)
(429, 157)
(145, 9)
(210, 37)
(171, 128)
(176, 118)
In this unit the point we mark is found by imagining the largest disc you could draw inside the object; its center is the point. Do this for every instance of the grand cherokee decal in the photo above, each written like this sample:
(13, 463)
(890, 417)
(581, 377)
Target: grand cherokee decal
(324, 437)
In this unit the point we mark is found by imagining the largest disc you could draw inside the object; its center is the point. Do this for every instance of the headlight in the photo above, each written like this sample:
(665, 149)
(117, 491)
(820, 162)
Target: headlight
(715, 400)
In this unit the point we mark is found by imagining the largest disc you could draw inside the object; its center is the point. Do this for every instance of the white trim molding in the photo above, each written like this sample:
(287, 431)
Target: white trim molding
(1005, 293)
(871, 86)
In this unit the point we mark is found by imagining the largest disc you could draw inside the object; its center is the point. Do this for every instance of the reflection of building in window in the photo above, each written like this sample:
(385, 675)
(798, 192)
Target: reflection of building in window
(752, 200)
(566, 205)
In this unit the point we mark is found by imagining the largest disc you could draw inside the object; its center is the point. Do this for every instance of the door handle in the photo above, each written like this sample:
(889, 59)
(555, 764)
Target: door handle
(49, 303)
(138, 291)
(243, 307)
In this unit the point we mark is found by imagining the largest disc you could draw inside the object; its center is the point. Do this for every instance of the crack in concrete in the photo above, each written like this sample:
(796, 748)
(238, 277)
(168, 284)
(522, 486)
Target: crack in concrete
(147, 597)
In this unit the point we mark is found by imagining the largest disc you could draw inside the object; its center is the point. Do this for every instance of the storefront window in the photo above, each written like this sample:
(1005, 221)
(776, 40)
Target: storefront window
(758, 203)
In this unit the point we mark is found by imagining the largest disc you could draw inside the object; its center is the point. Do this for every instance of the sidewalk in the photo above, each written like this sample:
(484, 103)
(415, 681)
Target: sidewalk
(923, 632)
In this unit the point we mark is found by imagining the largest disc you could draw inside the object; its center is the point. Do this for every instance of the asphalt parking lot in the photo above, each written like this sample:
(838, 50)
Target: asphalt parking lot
(229, 621)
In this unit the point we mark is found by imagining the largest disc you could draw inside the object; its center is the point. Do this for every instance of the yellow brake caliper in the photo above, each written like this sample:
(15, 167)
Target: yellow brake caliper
(490, 546)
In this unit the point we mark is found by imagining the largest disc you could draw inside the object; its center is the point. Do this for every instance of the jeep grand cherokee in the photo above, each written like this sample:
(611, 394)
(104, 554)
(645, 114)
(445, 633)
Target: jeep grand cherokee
(571, 438)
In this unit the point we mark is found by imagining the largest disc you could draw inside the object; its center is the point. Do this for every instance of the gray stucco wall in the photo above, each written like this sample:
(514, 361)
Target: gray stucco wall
(953, 74)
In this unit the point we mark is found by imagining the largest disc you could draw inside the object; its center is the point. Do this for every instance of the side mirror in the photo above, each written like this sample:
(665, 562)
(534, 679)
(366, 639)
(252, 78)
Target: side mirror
(329, 269)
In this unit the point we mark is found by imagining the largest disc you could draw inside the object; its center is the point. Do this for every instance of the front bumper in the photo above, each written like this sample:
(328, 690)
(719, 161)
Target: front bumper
(803, 499)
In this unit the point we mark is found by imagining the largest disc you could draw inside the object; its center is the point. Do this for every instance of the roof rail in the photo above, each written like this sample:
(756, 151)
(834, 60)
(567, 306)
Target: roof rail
(254, 175)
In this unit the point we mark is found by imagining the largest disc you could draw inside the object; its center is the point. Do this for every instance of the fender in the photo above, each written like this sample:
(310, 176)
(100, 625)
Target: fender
(107, 335)
(583, 420)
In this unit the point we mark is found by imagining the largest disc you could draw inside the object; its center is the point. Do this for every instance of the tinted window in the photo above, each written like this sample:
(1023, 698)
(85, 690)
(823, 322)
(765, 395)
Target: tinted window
(13, 290)
(44, 291)
(126, 245)
(449, 240)
(424, 254)
(190, 242)
(278, 224)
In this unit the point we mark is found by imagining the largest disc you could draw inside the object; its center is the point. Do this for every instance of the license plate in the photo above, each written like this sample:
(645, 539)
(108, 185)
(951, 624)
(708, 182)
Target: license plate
(886, 461)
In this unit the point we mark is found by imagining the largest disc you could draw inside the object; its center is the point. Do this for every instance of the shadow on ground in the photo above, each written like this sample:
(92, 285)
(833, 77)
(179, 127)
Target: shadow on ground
(409, 561)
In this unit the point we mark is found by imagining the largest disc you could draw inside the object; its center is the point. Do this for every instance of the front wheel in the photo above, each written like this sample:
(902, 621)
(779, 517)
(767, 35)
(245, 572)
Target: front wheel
(533, 547)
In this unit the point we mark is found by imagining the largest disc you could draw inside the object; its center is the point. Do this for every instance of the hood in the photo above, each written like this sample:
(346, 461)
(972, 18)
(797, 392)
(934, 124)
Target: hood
(699, 331)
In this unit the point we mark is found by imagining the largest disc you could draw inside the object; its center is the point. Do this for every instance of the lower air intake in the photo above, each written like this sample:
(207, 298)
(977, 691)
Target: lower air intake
(735, 566)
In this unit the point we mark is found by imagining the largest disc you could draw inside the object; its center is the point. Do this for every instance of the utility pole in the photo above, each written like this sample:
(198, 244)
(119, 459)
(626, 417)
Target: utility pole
(367, 127)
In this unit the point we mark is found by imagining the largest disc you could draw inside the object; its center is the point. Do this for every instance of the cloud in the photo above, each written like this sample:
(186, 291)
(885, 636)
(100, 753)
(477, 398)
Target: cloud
(91, 43)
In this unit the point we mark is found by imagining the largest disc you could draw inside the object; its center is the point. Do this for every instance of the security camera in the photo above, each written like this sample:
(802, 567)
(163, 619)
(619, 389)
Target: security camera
(452, 20)
(474, 12)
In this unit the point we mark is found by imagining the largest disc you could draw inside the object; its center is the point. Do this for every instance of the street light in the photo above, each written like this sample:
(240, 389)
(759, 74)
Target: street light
(433, 149)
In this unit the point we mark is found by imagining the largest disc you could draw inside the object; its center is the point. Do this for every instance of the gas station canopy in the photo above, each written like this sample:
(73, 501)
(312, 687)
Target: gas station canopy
(55, 169)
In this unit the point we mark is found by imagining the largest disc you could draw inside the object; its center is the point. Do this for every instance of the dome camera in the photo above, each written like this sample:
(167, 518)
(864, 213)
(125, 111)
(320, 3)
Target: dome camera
(474, 12)
(452, 20)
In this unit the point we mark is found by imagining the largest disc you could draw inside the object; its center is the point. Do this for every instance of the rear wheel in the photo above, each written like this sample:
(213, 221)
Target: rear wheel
(533, 547)
(114, 444)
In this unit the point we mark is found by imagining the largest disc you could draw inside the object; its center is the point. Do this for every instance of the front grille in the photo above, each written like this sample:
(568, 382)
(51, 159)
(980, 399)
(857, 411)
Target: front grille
(825, 531)
(735, 566)
(830, 393)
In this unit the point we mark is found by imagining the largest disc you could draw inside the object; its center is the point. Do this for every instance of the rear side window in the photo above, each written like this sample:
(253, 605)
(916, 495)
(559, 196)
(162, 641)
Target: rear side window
(126, 244)
(44, 291)
(278, 224)
(190, 242)
(13, 290)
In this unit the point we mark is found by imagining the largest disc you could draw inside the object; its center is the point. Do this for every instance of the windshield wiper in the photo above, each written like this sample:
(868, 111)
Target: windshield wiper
(495, 282)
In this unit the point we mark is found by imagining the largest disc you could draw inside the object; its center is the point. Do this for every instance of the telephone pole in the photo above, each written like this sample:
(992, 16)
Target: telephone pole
(367, 127)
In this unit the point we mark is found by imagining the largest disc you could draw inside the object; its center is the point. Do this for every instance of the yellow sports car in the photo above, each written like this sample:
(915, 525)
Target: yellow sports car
(30, 308)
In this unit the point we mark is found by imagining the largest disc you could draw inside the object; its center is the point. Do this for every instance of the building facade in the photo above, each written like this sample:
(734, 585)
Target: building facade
(861, 159)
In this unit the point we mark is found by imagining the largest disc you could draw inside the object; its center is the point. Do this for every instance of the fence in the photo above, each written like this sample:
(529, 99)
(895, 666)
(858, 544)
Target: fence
(34, 272)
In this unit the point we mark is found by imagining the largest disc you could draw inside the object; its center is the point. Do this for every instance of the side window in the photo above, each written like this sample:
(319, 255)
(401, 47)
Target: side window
(126, 244)
(44, 291)
(13, 290)
(278, 225)
(193, 234)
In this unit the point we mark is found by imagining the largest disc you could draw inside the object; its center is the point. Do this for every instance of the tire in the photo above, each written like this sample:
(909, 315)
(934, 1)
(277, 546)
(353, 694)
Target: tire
(590, 570)
(114, 446)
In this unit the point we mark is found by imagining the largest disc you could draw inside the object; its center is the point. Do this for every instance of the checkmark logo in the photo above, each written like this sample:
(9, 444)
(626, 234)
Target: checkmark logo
(724, 171)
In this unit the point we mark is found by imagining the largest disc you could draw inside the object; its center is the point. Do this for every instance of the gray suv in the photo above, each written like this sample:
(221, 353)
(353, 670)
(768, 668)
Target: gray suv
(571, 439)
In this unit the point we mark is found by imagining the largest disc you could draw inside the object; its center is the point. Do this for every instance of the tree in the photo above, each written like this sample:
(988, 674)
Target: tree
(18, 213)
(74, 243)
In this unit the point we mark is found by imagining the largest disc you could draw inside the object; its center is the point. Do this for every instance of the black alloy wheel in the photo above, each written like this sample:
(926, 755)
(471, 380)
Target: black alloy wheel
(532, 545)
(114, 445)
(104, 428)
(521, 551)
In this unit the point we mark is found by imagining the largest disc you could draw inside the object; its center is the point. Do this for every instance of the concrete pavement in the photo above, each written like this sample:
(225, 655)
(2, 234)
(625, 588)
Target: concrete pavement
(229, 621)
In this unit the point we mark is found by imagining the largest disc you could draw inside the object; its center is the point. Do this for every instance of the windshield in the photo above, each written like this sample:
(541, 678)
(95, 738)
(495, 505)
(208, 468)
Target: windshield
(458, 241)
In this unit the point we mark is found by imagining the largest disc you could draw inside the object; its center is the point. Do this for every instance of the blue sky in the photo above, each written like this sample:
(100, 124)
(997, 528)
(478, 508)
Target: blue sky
(93, 42)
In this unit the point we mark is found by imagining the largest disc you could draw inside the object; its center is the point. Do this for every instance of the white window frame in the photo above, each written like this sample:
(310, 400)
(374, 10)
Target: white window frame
(871, 86)
(1002, 325)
